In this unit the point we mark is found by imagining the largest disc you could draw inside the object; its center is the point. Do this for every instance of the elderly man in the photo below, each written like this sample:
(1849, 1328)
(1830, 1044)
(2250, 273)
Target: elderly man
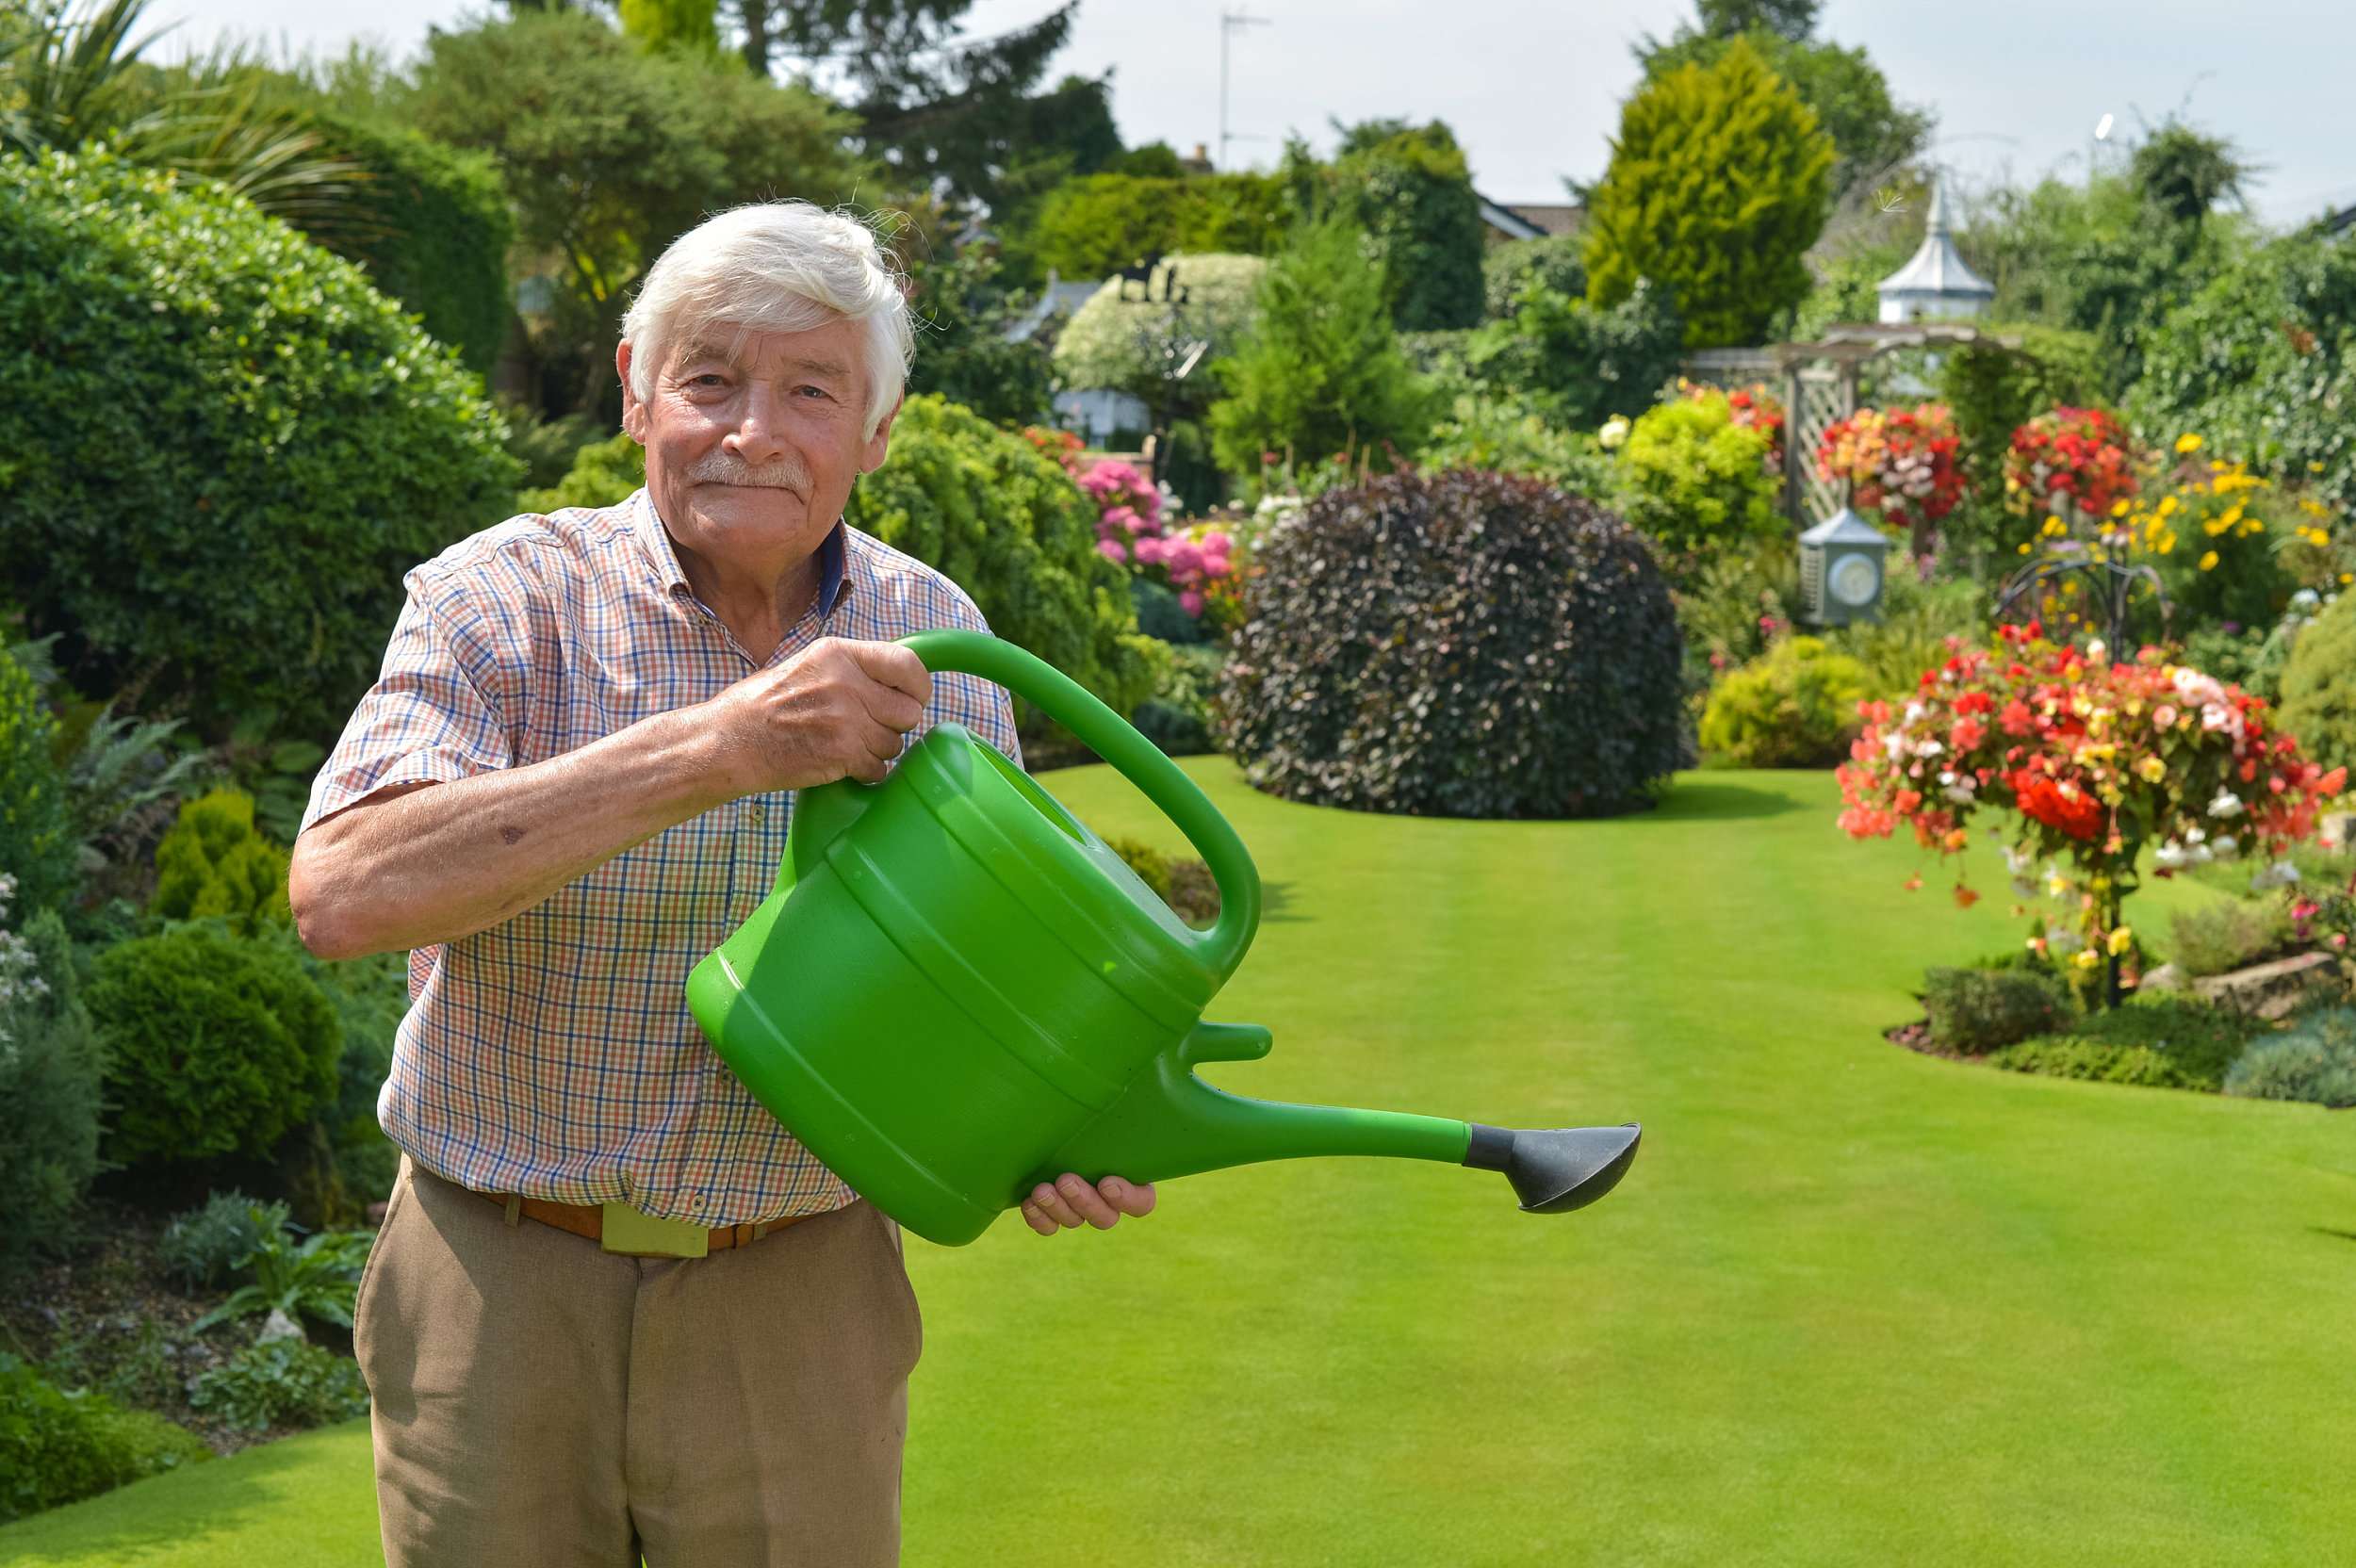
(614, 1307)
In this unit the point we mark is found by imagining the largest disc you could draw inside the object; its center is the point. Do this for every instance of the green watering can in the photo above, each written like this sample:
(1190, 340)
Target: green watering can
(957, 991)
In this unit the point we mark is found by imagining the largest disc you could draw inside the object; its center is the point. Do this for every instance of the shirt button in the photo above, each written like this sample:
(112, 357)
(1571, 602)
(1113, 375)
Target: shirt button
(760, 813)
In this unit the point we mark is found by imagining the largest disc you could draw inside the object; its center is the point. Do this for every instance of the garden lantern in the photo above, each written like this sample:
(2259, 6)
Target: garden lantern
(1936, 284)
(1841, 570)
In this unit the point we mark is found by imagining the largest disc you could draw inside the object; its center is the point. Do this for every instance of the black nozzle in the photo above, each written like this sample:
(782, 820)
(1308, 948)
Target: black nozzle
(1556, 1170)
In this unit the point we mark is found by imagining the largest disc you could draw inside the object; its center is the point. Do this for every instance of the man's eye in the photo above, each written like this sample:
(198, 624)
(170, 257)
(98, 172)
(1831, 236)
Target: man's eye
(709, 378)
(818, 391)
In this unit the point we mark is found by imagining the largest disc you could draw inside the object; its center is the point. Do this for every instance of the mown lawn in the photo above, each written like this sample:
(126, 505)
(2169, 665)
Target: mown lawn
(1852, 1306)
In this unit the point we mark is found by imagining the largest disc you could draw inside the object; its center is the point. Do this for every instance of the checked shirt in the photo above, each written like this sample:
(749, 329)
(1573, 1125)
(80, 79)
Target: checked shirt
(553, 1054)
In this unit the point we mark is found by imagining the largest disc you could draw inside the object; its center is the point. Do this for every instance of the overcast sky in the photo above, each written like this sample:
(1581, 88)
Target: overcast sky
(1533, 89)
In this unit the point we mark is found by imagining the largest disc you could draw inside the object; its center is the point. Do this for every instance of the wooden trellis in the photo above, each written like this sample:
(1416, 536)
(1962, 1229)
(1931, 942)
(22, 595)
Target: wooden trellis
(1819, 390)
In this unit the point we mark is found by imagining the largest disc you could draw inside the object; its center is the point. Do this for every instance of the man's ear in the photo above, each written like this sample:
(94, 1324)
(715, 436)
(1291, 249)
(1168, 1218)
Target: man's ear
(880, 445)
(633, 412)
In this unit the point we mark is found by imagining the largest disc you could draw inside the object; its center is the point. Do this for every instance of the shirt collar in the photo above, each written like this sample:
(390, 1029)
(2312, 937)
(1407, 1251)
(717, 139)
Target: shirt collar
(834, 576)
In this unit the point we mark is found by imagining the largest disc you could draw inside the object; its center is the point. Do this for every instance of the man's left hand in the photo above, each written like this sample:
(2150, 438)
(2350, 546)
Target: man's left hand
(1070, 1202)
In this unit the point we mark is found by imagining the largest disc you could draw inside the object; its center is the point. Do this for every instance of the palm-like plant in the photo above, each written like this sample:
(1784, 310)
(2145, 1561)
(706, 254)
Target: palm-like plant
(71, 73)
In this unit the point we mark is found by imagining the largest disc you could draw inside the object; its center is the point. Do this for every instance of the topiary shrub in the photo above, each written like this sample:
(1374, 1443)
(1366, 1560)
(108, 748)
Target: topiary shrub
(215, 1047)
(49, 1085)
(57, 1447)
(1973, 1011)
(2156, 1042)
(1461, 644)
(2314, 1060)
(1697, 481)
(1795, 707)
(2320, 686)
(1008, 526)
(37, 841)
(212, 862)
(189, 383)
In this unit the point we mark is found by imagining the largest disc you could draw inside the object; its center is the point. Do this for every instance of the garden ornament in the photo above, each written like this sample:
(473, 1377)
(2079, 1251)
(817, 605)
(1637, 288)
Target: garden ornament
(957, 991)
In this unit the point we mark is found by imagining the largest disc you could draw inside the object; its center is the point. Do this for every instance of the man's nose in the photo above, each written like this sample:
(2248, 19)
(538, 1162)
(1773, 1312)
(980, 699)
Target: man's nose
(758, 437)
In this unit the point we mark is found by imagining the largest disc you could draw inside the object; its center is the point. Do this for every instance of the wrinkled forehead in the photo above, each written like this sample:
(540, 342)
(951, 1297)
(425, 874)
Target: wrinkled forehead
(829, 351)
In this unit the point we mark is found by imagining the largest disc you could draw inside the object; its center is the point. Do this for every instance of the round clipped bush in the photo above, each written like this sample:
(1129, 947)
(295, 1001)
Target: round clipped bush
(2315, 1060)
(37, 844)
(1793, 707)
(1461, 644)
(215, 1047)
(2320, 686)
(223, 447)
(1699, 481)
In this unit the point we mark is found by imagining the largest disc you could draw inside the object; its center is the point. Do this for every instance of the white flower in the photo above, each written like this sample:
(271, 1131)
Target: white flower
(1914, 711)
(2169, 856)
(2194, 835)
(2280, 875)
(1614, 432)
(2018, 861)
(2226, 845)
(2227, 804)
(1960, 787)
(1928, 748)
(2094, 648)
(2202, 855)
(1894, 743)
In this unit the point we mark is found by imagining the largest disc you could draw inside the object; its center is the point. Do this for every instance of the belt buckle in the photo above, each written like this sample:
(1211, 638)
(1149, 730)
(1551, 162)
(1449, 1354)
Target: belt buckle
(630, 1230)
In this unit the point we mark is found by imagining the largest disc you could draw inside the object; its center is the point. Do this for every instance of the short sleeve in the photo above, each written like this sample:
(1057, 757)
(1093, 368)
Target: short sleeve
(435, 715)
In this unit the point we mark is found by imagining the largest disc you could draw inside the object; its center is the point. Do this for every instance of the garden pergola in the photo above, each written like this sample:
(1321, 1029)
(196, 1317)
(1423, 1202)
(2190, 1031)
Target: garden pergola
(1820, 389)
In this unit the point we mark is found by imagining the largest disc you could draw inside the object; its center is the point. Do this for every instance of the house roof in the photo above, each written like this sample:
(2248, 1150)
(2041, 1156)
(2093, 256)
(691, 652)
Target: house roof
(1530, 220)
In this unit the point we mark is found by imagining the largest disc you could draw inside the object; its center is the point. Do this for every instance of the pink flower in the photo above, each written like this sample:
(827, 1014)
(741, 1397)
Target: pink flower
(1151, 548)
(1215, 566)
(1217, 543)
(1191, 602)
(1110, 549)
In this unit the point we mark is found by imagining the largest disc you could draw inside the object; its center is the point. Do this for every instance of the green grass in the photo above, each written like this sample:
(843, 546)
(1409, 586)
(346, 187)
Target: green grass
(1852, 1306)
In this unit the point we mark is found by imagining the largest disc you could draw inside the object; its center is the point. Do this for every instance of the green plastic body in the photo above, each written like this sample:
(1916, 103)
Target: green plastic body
(956, 990)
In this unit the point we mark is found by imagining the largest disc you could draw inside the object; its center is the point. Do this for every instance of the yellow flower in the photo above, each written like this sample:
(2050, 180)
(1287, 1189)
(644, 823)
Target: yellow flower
(2054, 528)
(2152, 769)
(2088, 957)
(2314, 468)
(2208, 560)
(2121, 940)
(2347, 577)
(2119, 508)
(2188, 443)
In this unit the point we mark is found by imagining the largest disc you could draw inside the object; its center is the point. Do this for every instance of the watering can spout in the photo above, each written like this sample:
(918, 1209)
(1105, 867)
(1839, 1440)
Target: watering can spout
(1169, 1122)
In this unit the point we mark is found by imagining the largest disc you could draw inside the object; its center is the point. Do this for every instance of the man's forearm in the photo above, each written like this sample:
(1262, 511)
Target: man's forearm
(455, 859)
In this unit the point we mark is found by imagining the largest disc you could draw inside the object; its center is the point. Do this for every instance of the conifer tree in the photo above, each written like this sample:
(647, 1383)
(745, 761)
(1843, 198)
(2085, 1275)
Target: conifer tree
(1718, 181)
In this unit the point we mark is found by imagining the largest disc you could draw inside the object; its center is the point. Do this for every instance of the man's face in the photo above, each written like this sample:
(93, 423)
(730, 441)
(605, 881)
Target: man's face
(752, 445)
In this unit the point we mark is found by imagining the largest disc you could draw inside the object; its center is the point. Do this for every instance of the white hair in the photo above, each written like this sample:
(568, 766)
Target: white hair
(773, 267)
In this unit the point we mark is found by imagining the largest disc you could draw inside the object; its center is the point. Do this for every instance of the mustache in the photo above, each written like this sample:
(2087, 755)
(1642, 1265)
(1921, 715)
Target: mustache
(721, 467)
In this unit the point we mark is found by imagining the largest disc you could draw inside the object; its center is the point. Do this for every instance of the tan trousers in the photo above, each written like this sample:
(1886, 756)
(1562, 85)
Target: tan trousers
(541, 1401)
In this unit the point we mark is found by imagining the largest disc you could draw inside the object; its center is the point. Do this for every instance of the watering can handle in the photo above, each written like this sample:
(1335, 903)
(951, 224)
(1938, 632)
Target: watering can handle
(1139, 760)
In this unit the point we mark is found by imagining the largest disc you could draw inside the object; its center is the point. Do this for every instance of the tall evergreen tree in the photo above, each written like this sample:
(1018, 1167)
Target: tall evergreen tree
(1718, 183)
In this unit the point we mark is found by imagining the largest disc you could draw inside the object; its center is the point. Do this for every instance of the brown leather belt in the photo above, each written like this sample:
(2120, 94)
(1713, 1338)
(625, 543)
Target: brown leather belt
(588, 1219)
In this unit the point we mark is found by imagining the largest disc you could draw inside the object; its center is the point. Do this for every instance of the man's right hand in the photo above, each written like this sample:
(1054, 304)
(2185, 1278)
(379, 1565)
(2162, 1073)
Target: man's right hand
(837, 708)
